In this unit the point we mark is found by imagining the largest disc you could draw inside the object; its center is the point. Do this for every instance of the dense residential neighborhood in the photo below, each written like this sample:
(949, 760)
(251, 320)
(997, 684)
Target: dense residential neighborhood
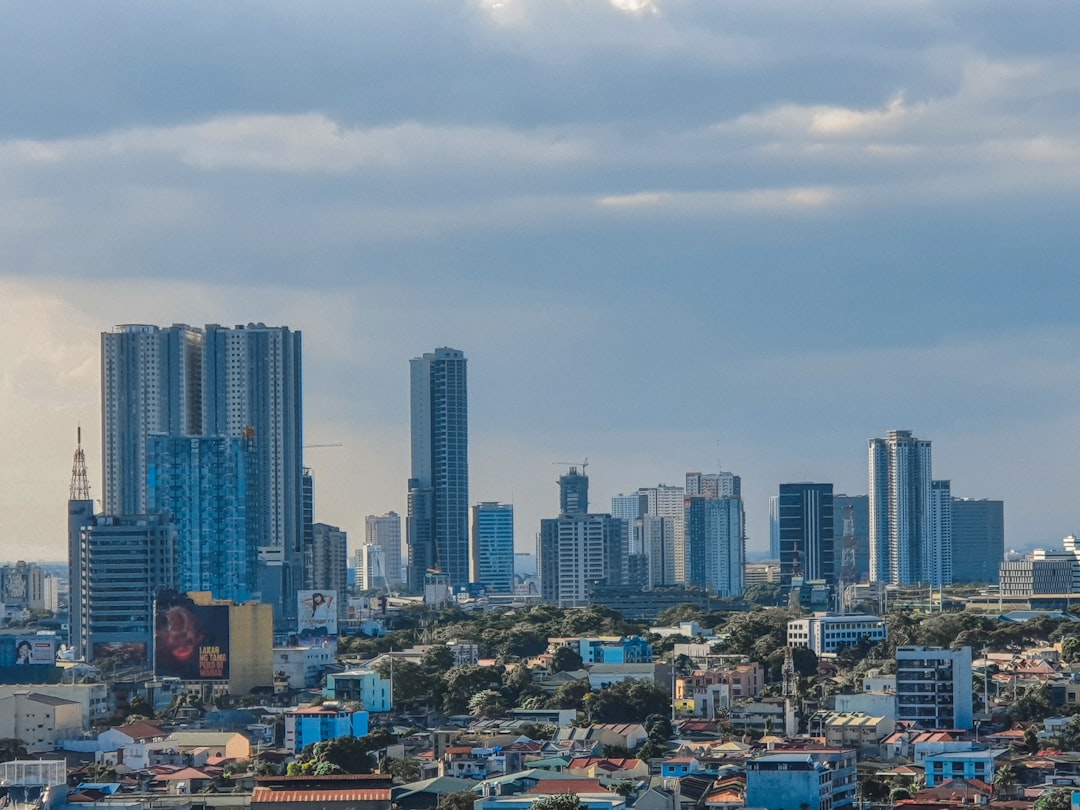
(524, 707)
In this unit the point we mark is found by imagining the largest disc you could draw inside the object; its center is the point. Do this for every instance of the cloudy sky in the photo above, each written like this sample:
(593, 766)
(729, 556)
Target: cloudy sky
(668, 235)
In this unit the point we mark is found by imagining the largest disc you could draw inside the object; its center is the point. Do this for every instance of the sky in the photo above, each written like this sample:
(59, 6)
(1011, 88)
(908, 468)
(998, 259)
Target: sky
(669, 235)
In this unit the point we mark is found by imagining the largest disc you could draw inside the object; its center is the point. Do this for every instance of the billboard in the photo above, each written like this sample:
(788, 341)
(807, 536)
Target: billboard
(316, 613)
(191, 641)
(30, 650)
(125, 652)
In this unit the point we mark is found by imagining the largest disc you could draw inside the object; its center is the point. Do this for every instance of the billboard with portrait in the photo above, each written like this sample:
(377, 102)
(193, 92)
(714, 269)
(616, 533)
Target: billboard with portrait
(191, 641)
(316, 613)
(35, 650)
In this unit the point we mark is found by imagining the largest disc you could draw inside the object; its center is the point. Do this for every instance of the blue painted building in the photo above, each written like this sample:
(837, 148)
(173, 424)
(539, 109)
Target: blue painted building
(315, 724)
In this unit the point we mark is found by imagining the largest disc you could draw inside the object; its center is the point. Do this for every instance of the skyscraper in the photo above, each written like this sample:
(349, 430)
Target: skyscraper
(384, 531)
(573, 492)
(329, 560)
(806, 532)
(438, 519)
(207, 484)
(774, 527)
(978, 534)
(905, 547)
(215, 383)
(493, 546)
(578, 551)
(937, 559)
(715, 553)
(668, 501)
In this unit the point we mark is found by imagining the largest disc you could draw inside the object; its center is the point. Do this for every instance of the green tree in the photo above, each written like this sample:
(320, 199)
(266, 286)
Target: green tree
(487, 704)
(1069, 736)
(464, 681)
(565, 659)
(557, 801)
(623, 787)
(438, 659)
(463, 800)
(403, 770)
(1055, 799)
(676, 614)
(571, 695)
(627, 702)
(1004, 779)
(1034, 703)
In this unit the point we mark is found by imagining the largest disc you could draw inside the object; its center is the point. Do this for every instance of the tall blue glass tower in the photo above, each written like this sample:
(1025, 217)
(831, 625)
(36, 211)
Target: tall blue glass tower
(438, 519)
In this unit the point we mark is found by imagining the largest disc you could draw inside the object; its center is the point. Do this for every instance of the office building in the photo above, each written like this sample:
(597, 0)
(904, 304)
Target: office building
(207, 484)
(806, 533)
(493, 546)
(715, 544)
(851, 543)
(438, 520)
(217, 382)
(906, 544)
(384, 531)
(826, 634)
(933, 687)
(119, 564)
(978, 539)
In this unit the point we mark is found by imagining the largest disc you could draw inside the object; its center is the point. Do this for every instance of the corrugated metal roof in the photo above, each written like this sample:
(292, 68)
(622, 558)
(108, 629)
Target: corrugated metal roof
(345, 795)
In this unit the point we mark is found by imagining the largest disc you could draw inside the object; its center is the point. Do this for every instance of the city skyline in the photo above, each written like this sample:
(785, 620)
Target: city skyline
(668, 236)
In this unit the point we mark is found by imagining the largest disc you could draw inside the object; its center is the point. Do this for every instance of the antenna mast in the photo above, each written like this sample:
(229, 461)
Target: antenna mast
(80, 483)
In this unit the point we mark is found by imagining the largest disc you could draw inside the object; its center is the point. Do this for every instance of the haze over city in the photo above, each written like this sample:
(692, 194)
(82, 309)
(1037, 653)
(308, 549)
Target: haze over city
(667, 235)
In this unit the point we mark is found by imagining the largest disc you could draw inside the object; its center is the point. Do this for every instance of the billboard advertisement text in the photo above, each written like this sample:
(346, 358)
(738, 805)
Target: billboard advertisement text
(316, 613)
(191, 641)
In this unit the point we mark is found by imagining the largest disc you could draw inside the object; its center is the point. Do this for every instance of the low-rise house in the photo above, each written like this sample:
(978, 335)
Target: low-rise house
(862, 732)
(680, 766)
(627, 735)
(608, 768)
(302, 666)
(365, 686)
(130, 744)
(425, 794)
(965, 764)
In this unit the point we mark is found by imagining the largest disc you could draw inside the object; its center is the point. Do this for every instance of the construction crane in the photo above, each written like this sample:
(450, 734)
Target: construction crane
(573, 465)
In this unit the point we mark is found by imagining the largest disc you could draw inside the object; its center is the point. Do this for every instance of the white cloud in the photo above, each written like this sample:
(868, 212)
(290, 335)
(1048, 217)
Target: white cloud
(793, 199)
(307, 143)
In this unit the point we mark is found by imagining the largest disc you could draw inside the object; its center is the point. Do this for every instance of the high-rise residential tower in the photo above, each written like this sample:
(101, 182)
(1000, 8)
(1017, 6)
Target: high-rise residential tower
(493, 546)
(438, 519)
(806, 532)
(906, 540)
(216, 383)
(668, 501)
(715, 549)
(384, 531)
